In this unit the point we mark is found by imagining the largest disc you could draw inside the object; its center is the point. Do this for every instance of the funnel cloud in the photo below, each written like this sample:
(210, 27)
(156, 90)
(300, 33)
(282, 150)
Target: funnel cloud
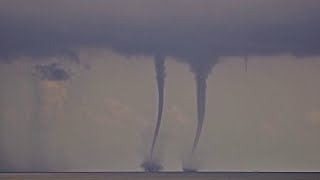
(201, 72)
(160, 71)
(152, 164)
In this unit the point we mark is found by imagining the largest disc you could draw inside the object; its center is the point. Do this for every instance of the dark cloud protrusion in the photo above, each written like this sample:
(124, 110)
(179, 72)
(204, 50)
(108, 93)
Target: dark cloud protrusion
(246, 61)
(52, 72)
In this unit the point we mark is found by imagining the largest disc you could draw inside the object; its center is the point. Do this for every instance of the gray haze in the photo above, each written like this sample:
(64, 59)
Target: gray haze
(269, 121)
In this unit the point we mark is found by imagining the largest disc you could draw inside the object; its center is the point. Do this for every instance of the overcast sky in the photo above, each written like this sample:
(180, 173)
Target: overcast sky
(81, 74)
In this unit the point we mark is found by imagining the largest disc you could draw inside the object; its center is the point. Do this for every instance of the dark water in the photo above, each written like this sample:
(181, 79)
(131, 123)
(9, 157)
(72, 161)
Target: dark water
(163, 175)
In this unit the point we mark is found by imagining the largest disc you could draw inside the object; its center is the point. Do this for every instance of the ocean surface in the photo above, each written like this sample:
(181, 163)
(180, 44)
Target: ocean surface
(164, 175)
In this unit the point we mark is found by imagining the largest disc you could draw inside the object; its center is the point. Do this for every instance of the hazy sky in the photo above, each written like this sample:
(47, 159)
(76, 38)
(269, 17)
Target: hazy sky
(95, 101)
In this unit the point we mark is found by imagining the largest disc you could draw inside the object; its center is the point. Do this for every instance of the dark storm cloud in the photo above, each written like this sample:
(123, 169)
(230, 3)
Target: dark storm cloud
(51, 72)
(183, 29)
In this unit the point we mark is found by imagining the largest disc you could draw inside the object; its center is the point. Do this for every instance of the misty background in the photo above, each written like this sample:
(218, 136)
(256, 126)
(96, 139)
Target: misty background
(102, 119)
(78, 85)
